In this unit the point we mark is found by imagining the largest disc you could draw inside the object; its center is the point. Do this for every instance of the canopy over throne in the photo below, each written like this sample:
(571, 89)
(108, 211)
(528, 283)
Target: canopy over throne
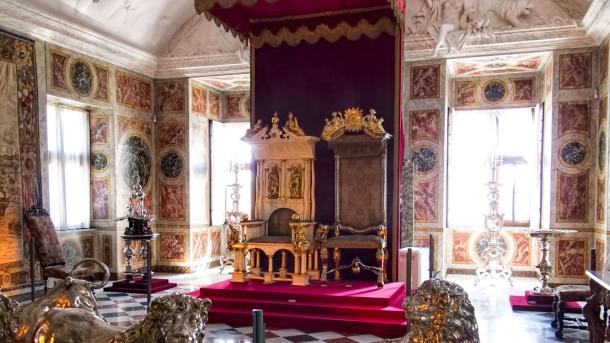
(284, 204)
(359, 143)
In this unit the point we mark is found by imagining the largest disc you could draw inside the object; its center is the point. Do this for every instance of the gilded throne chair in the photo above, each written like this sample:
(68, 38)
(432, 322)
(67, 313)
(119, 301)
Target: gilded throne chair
(284, 195)
(359, 143)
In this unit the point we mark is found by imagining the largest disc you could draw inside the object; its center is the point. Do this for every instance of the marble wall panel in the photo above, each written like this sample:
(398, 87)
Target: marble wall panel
(172, 247)
(465, 93)
(600, 254)
(98, 129)
(237, 106)
(426, 200)
(172, 97)
(425, 81)
(100, 199)
(201, 245)
(199, 100)
(214, 105)
(521, 256)
(58, 70)
(133, 92)
(171, 134)
(460, 248)
(575, 70)
(172, 204)
(102, 92)
(572, 259)
(572, 197)
(88, 246)
(215, 242)
(523, 90)
(601, 200)
(574, 117)
(424, 125)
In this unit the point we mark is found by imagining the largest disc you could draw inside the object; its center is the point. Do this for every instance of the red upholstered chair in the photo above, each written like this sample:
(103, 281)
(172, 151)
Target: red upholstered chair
(40, 231)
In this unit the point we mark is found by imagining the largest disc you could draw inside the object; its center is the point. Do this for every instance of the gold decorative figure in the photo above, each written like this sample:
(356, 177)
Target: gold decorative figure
(296, 181)
(292, 125)
(273, 183)
(353, 120)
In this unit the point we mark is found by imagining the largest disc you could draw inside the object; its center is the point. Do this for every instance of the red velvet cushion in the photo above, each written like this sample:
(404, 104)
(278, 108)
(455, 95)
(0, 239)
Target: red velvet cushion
(47, 244)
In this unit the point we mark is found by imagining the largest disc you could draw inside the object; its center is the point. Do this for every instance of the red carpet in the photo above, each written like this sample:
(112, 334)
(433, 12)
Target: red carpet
(139, 286)
(539, 303)
(361, 309)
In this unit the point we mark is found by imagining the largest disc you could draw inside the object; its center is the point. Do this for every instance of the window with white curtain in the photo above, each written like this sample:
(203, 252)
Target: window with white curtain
(68, 144)
(477, 136)
(228, 151)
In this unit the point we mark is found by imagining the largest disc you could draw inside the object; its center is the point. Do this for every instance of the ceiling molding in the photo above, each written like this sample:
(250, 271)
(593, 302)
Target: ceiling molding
(21, 19)
(507, 42)
(206, 65)
(596, 20)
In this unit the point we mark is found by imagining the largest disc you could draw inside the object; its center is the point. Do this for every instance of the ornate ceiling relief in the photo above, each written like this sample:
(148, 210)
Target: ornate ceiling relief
(452, 24)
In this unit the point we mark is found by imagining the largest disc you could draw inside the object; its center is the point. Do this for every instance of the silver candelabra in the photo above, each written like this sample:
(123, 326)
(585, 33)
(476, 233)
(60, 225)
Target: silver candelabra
(493, 254)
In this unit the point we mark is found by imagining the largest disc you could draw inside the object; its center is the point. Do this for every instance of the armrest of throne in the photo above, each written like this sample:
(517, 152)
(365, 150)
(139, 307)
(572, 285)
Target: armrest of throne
(253, 229)
(379, 229)
(302, 233)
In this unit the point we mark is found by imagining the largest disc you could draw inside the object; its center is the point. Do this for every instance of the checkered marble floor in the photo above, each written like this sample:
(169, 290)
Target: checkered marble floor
(497, 322)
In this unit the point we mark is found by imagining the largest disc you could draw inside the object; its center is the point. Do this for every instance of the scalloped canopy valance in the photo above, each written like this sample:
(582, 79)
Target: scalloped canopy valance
(247, 19)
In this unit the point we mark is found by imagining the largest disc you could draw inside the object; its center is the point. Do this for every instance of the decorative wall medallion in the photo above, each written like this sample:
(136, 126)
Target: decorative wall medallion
(494, 91)
(171, 165)
(573, 153)
(424, 160)
(99, 161)
(601, 156)
(81, 77)
(135, 161)
(482, 242)
(71, 252)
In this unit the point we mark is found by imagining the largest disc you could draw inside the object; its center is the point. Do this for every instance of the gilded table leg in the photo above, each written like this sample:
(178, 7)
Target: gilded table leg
(337, 258)
(283, 267)
(592, 310)
(324, 260)
(381, 263)
(268, 277)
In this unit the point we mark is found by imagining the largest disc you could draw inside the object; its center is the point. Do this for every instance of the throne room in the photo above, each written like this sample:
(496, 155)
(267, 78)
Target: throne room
(335, 171)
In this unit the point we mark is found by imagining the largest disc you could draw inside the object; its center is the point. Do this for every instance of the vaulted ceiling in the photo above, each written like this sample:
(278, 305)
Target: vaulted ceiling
(148, 25)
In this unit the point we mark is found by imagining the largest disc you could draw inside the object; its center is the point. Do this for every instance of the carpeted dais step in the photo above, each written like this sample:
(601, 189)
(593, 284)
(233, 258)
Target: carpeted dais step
(360, 308)
(520, 303)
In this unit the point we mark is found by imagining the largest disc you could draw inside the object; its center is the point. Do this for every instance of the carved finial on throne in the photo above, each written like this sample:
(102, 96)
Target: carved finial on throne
(292, 125)
(353, 120)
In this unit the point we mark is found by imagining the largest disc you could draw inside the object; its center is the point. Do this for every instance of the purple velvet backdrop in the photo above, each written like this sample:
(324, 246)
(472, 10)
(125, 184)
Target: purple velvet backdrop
(312, 81)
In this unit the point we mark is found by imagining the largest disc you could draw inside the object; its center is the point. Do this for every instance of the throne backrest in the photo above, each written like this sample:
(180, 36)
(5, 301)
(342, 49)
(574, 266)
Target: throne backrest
(279, 222)
(39, 226)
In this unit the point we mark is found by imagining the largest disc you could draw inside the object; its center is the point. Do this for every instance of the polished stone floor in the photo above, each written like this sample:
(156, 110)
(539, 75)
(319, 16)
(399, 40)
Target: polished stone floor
(497, 322)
